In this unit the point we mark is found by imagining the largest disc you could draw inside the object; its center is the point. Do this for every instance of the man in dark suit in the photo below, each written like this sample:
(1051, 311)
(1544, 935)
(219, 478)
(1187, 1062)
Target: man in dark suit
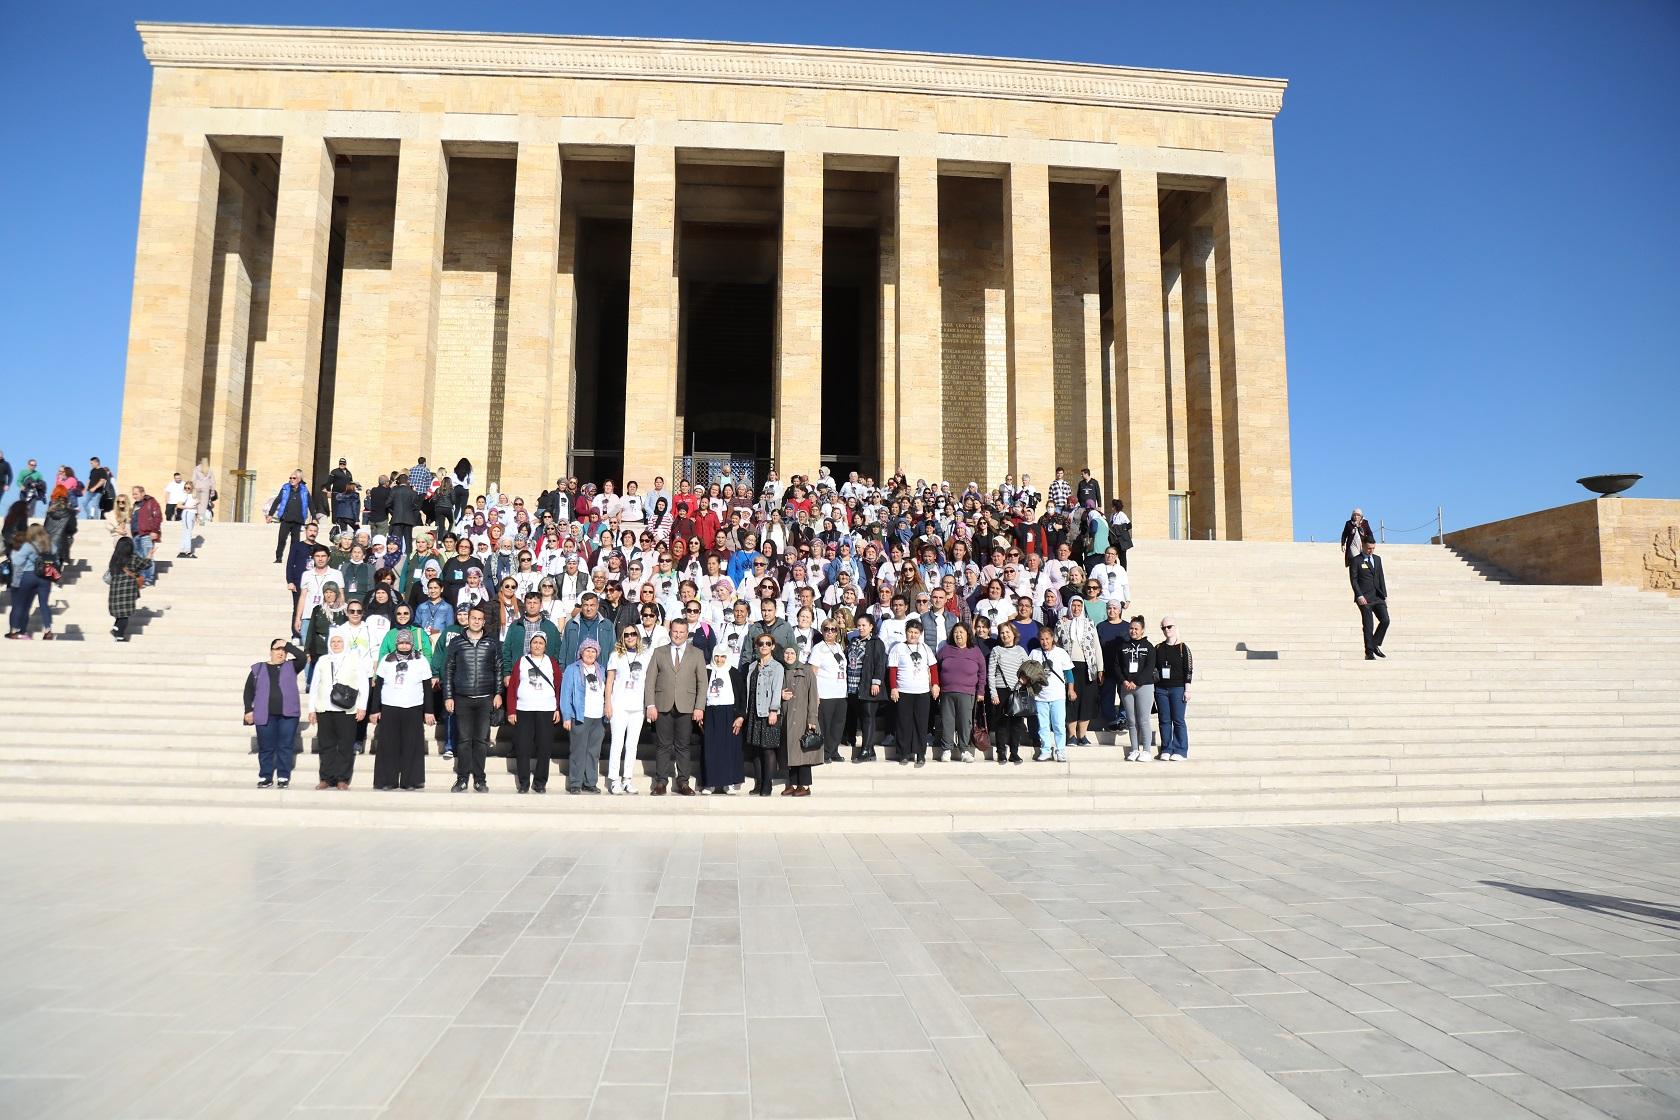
(675, 695)
(1370, 591)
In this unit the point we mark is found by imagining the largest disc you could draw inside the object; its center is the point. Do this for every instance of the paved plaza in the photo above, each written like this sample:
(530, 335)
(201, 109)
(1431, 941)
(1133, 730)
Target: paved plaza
(1463, 971)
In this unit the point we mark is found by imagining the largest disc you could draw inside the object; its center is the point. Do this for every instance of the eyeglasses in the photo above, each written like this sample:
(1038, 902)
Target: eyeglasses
(353, 610)
(691, 610)
(766, 645)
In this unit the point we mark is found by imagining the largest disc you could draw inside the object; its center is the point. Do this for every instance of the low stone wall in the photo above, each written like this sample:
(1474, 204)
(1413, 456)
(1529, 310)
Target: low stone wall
(1627, 542)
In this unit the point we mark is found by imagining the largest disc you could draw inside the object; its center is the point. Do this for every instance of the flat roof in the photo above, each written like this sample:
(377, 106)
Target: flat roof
(240, 47)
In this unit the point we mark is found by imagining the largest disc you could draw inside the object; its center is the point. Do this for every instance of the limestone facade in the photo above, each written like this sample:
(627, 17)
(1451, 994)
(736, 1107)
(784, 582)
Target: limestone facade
(553, 255)
(1622, 542)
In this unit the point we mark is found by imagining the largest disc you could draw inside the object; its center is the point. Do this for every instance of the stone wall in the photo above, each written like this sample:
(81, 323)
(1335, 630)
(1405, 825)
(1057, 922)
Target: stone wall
(1625, 542)
(369, 184)
(1076, 328)
(472, 319)
(974, 330)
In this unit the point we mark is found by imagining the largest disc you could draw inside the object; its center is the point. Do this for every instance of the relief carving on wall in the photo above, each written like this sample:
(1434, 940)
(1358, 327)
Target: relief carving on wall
(1662, 561)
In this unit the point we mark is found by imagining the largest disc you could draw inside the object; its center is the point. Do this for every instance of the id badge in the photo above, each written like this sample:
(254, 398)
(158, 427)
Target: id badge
(1131, 667)
(1166, 672)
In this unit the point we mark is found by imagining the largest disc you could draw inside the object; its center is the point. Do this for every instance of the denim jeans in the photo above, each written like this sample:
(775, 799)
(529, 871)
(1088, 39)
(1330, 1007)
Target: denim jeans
(28, 588)
(87, 506)
(1052, 728)
(275, 740)
(143, 551)
(1175, 737)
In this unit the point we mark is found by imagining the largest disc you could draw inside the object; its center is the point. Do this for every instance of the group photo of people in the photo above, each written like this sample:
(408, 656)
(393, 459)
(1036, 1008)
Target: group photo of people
(734, 633)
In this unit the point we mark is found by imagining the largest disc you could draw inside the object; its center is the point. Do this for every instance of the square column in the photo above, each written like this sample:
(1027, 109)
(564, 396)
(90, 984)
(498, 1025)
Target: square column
(228, 333)
(416, 274)
(1254, 387)
(1032, 358)
(529, 445)
(650, 419)
(1203, 379)
(169, 311)
(286, 388)
(562, 395)
(886, 334)
(920, 410)
(1140, 377)
(798, 389)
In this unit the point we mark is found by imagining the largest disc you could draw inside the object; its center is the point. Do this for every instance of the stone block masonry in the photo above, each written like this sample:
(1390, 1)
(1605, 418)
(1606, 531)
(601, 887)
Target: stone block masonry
(399, 274)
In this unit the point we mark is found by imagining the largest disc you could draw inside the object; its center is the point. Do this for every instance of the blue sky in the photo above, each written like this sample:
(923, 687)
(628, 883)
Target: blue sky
(1480, 246)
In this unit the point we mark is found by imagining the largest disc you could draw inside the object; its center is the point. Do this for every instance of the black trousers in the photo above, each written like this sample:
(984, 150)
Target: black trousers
(799, 776)
(288, 536)
(913, 708)
(533, 742)
(831, 719)
(866, 713)
(335, 744)
(674, 733)
(1379, 612)
(1008, 732)
(405, 534)
(472, 736)
(399, 751)
(762, 766)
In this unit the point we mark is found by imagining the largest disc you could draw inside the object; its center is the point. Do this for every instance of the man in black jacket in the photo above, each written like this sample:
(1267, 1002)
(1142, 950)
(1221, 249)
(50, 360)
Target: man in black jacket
(1370, 591)
(379, 507)
(405, 512)
(472, 686)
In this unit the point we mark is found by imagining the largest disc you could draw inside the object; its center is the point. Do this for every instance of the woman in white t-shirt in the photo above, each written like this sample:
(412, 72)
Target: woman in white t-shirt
(1052, 696)
(533, 708)
(914, 677)
(188, 512)
(626, 678)
(828, 661)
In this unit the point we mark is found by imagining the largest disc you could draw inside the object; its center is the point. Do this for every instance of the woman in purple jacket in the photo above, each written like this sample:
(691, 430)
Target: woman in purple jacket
(272, 706)
(962, 681)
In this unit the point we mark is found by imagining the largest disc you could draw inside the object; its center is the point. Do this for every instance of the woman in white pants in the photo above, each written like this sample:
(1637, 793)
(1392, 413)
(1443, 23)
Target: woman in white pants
(189, 517)
(626, 676)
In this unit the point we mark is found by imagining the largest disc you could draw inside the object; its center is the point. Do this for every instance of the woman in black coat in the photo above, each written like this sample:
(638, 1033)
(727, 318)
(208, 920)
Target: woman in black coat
(866, 679)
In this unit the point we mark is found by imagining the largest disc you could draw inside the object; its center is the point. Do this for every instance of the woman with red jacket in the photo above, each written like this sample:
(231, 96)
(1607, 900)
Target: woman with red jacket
(533, 708)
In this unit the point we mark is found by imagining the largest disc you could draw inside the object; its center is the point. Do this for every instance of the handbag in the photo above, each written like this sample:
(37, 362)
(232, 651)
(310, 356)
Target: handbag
(980, 736)
(49, 570)
(341, 695)
(1019, 705)
(812, 740)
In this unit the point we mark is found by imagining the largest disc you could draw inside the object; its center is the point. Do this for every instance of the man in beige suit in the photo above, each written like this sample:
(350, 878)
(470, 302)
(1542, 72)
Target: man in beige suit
(675, 696)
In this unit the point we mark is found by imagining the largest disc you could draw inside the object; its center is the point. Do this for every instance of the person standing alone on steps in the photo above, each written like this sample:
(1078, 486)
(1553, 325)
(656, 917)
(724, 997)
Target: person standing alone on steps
(1370, 591)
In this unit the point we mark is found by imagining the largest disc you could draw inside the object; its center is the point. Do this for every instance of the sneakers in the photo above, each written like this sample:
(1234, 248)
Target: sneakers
(1133, 756)
(1175, 758)
(448, 753)
(968, 756)
(1043, 756)
(481, 786)
(265, 783)
(460, 786)
(1060, 756)
(283, 782)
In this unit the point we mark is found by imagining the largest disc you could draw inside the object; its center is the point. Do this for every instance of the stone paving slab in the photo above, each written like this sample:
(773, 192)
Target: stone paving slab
(1413, 972)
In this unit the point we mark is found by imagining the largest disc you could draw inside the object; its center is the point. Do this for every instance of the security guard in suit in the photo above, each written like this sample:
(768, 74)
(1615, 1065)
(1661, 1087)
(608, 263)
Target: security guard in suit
(1370, 591)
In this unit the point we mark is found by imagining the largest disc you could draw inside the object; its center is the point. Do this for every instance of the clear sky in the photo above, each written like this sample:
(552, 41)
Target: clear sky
(1481, 245)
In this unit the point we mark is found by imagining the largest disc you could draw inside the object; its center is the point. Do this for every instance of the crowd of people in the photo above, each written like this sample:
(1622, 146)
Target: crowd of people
(752, 631)
(37, 555)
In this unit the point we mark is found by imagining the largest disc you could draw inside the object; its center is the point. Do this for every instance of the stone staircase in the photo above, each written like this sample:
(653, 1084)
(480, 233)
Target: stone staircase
(1497, 700)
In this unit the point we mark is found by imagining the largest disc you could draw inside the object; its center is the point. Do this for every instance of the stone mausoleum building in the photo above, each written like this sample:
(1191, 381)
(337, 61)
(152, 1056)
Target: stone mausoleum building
(598, 256)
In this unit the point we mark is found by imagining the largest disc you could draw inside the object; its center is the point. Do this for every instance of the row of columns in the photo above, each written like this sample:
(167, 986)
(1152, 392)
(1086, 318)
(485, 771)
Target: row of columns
(1242, 380)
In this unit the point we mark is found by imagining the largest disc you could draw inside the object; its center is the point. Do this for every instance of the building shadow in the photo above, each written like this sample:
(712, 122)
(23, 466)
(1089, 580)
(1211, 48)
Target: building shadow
(1646, 913)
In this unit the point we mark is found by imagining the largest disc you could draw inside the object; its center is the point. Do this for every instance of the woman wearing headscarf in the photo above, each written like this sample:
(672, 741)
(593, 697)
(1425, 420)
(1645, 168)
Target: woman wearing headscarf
(722, 764)
(660, 523)
(400, 710)
(123, 574)
(358, 575)
(763, 712)
(1077, 634)
(533, 708)
(338, 701)
(799, 717)
(327, 615)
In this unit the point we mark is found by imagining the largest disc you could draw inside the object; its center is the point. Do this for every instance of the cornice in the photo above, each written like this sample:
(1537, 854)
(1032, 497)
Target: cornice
(218, 46)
